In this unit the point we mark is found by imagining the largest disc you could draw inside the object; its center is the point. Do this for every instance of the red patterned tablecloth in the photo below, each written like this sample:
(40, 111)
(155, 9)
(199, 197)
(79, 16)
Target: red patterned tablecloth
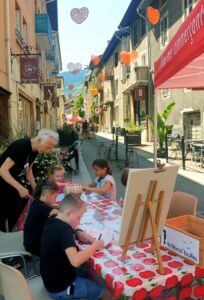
(138, 277)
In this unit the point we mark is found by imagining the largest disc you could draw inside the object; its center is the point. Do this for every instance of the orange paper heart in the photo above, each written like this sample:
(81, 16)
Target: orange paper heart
(101, 77)
(133, 54)
(153, 15)
(125, 57)
(95, 59)
(93, 91)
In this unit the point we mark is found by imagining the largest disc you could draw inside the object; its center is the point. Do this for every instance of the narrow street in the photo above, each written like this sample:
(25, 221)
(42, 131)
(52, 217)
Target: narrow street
(89, 154)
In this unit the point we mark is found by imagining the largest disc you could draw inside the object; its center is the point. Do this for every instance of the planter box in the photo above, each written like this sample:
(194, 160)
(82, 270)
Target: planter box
(133, 139)
(184, 235)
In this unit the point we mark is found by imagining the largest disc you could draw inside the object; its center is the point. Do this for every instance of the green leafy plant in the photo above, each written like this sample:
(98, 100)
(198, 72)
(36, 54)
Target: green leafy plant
(162, 128)
(132, 128)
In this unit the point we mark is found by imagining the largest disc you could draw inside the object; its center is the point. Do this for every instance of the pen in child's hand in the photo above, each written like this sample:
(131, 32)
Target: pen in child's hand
(100, 236)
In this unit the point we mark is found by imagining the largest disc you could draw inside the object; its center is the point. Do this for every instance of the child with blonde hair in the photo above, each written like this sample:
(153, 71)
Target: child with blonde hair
(56, 174)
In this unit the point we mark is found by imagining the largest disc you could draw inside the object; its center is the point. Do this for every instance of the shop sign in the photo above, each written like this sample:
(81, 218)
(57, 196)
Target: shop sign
(140, 93)
(29, 70)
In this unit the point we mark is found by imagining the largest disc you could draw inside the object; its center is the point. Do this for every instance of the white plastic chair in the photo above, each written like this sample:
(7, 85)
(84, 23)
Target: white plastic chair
(13, 285)
(182, 204)
(11, 245)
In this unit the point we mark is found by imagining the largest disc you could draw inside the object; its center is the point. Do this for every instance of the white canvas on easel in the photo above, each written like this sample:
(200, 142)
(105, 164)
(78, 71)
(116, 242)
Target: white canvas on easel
(138, 184)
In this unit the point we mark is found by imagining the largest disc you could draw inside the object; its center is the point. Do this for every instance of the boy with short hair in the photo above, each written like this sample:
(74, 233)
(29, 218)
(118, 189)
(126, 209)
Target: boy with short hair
(60, 257)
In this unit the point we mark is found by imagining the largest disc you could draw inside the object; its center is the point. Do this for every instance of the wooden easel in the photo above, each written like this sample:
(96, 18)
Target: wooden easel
(148, 215)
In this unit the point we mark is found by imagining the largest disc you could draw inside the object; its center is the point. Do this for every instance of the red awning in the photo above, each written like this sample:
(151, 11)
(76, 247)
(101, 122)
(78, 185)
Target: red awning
(181, 65)
(76, 119)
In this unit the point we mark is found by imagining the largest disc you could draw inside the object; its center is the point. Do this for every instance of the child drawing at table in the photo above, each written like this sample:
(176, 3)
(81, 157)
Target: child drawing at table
(104, 183)
(60, 256)
(56, 174)
(40, 209)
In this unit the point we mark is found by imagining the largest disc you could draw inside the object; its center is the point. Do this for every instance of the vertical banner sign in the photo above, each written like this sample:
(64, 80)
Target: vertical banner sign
(29, 69)
(49, 92)
(140, 93)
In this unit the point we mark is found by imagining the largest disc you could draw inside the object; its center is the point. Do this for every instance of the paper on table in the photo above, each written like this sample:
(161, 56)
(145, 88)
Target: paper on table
(106, 234)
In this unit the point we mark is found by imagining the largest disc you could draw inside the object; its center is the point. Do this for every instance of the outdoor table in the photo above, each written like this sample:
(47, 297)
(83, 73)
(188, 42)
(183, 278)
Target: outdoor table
(138, 277)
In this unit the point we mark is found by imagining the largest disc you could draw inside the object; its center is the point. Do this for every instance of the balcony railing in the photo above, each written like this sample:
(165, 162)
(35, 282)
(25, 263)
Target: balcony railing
(43, 31)
(136, 78)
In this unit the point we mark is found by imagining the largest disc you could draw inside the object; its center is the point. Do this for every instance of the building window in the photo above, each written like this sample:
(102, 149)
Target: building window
(164, 29)
(24, 33)
(116, 87)
(188, 6)
(18, 18)
(165, 93)
(135, 34)
(143, 60)
(162, 3)
(116, 59)
(142, 27)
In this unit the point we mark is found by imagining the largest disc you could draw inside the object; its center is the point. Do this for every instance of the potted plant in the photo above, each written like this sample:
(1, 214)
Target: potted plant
(162, 128)
(133, 133)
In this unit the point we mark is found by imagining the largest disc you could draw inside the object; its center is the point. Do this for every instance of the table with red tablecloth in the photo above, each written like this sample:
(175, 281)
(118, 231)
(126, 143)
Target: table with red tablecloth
(138, 276)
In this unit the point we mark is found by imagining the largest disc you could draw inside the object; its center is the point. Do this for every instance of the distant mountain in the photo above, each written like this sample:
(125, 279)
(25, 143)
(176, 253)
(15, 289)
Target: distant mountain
(74, 79)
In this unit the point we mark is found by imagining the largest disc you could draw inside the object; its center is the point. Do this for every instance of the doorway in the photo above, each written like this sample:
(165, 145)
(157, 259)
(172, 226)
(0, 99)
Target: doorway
(192, 125)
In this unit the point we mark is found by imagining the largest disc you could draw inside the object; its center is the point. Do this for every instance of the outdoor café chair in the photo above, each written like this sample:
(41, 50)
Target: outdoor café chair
(13, 285)
(182, 204)
(11, 245)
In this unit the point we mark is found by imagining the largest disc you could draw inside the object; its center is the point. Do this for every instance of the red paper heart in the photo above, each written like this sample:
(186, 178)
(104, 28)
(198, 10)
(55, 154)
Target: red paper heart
(95, 59)
(79, 15)
(71, 86)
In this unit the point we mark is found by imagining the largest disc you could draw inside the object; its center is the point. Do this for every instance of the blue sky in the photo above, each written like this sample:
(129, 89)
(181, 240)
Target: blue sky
(79, 42)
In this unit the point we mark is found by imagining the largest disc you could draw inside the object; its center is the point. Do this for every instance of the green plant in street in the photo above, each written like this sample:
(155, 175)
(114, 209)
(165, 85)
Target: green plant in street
(78, 106)
(162, 128)
(132, 128)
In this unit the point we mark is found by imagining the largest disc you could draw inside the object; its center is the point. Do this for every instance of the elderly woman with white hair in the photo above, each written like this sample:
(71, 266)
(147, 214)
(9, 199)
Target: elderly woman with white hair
(16, 161)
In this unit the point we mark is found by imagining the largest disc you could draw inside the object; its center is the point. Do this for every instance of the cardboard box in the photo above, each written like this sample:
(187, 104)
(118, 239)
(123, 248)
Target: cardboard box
(184, 235)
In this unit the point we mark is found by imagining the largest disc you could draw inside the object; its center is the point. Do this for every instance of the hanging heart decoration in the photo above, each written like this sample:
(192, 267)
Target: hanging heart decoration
(125, 57)
(93, 91)
(133, 55)
(95, 59)
(74, 68)
(71, 86)
(79, 15)
(153, 15)
(101, 77)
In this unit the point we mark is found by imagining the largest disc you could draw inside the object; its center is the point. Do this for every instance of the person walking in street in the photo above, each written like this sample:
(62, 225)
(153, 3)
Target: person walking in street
(16, 161)
(104, 183)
